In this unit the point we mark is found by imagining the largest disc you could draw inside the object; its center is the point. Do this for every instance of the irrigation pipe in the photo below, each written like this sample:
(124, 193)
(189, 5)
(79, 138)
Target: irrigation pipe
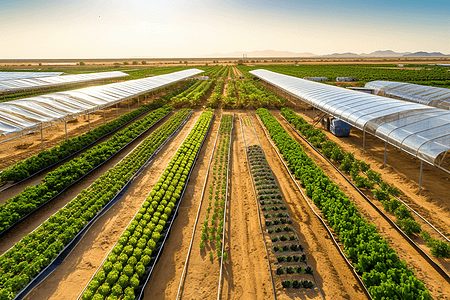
(196, 219)
(259, 209)
(225, 211)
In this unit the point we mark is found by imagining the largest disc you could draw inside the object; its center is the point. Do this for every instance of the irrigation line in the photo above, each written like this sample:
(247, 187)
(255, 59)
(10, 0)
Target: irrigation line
(316, 214)
(273, 175)
(225, 211)
(196, 219)
(437, 267)
(54, 264)
(259, 209)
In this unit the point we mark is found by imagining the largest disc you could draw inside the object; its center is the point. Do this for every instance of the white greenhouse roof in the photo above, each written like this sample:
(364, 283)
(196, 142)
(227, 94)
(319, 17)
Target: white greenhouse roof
(32, 83)
(21, 75)
(420, 130)
(428, 95)
(19, 117)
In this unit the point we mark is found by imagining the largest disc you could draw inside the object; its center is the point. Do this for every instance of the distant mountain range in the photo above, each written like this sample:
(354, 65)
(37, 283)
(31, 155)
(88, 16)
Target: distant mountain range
(275, 53)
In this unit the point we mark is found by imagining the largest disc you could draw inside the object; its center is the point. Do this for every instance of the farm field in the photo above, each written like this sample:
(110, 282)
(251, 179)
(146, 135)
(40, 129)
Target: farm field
(223, 189)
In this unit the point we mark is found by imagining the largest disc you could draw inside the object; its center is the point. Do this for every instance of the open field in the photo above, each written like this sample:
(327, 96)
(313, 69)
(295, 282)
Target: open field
(231, 195)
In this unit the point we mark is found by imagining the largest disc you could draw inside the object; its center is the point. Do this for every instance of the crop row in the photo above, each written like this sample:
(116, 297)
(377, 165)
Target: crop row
(215, 98)
(230, 100)
(36, 250)
(383, 273)
(267, 188)
(366, 178)
(124, 267)
(254, 94)
(67, 148)
(212, 229)
(193, 95)
(56, 181)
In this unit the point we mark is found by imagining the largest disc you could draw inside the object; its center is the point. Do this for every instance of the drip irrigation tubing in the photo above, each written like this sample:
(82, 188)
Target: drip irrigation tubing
(259, 215)
(196, 219)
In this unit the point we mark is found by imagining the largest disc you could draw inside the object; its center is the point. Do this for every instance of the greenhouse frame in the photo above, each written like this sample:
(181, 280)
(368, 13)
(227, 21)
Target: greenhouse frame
(428, 95)
(21, 75)
(24, 116)
(417, 129)
(15, 85)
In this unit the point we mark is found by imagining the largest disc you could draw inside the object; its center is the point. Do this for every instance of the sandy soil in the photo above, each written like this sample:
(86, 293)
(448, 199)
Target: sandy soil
(29, 145)
(29, 224)
(68, 281)
(433, 280)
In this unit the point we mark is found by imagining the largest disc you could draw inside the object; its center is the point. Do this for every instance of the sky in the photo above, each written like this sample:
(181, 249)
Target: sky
(177, 28)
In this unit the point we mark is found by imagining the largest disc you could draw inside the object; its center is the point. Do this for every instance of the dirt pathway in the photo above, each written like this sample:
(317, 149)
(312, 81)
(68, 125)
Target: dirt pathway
(425, 272)
(68, 281)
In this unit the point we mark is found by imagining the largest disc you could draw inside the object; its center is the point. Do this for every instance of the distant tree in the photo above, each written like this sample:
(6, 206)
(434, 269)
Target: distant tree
(240, 62)
(126, 63)
(82, 63)
(134, 62)
(143, 62)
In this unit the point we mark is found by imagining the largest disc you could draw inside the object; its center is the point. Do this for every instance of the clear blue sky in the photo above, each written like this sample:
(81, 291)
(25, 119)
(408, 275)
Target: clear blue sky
(175, 28)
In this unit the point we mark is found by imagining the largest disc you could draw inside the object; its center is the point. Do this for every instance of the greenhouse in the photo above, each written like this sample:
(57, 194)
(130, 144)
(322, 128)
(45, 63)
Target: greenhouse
(20, 117)
(14, 85)
(428, 95)
(22, 75)
(417, 129)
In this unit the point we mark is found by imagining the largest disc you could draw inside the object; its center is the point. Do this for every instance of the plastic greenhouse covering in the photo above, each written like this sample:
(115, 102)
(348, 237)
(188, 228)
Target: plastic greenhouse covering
(19, 117)
(21, 75)
(32, 83)
(428, 95)
(418, 129)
